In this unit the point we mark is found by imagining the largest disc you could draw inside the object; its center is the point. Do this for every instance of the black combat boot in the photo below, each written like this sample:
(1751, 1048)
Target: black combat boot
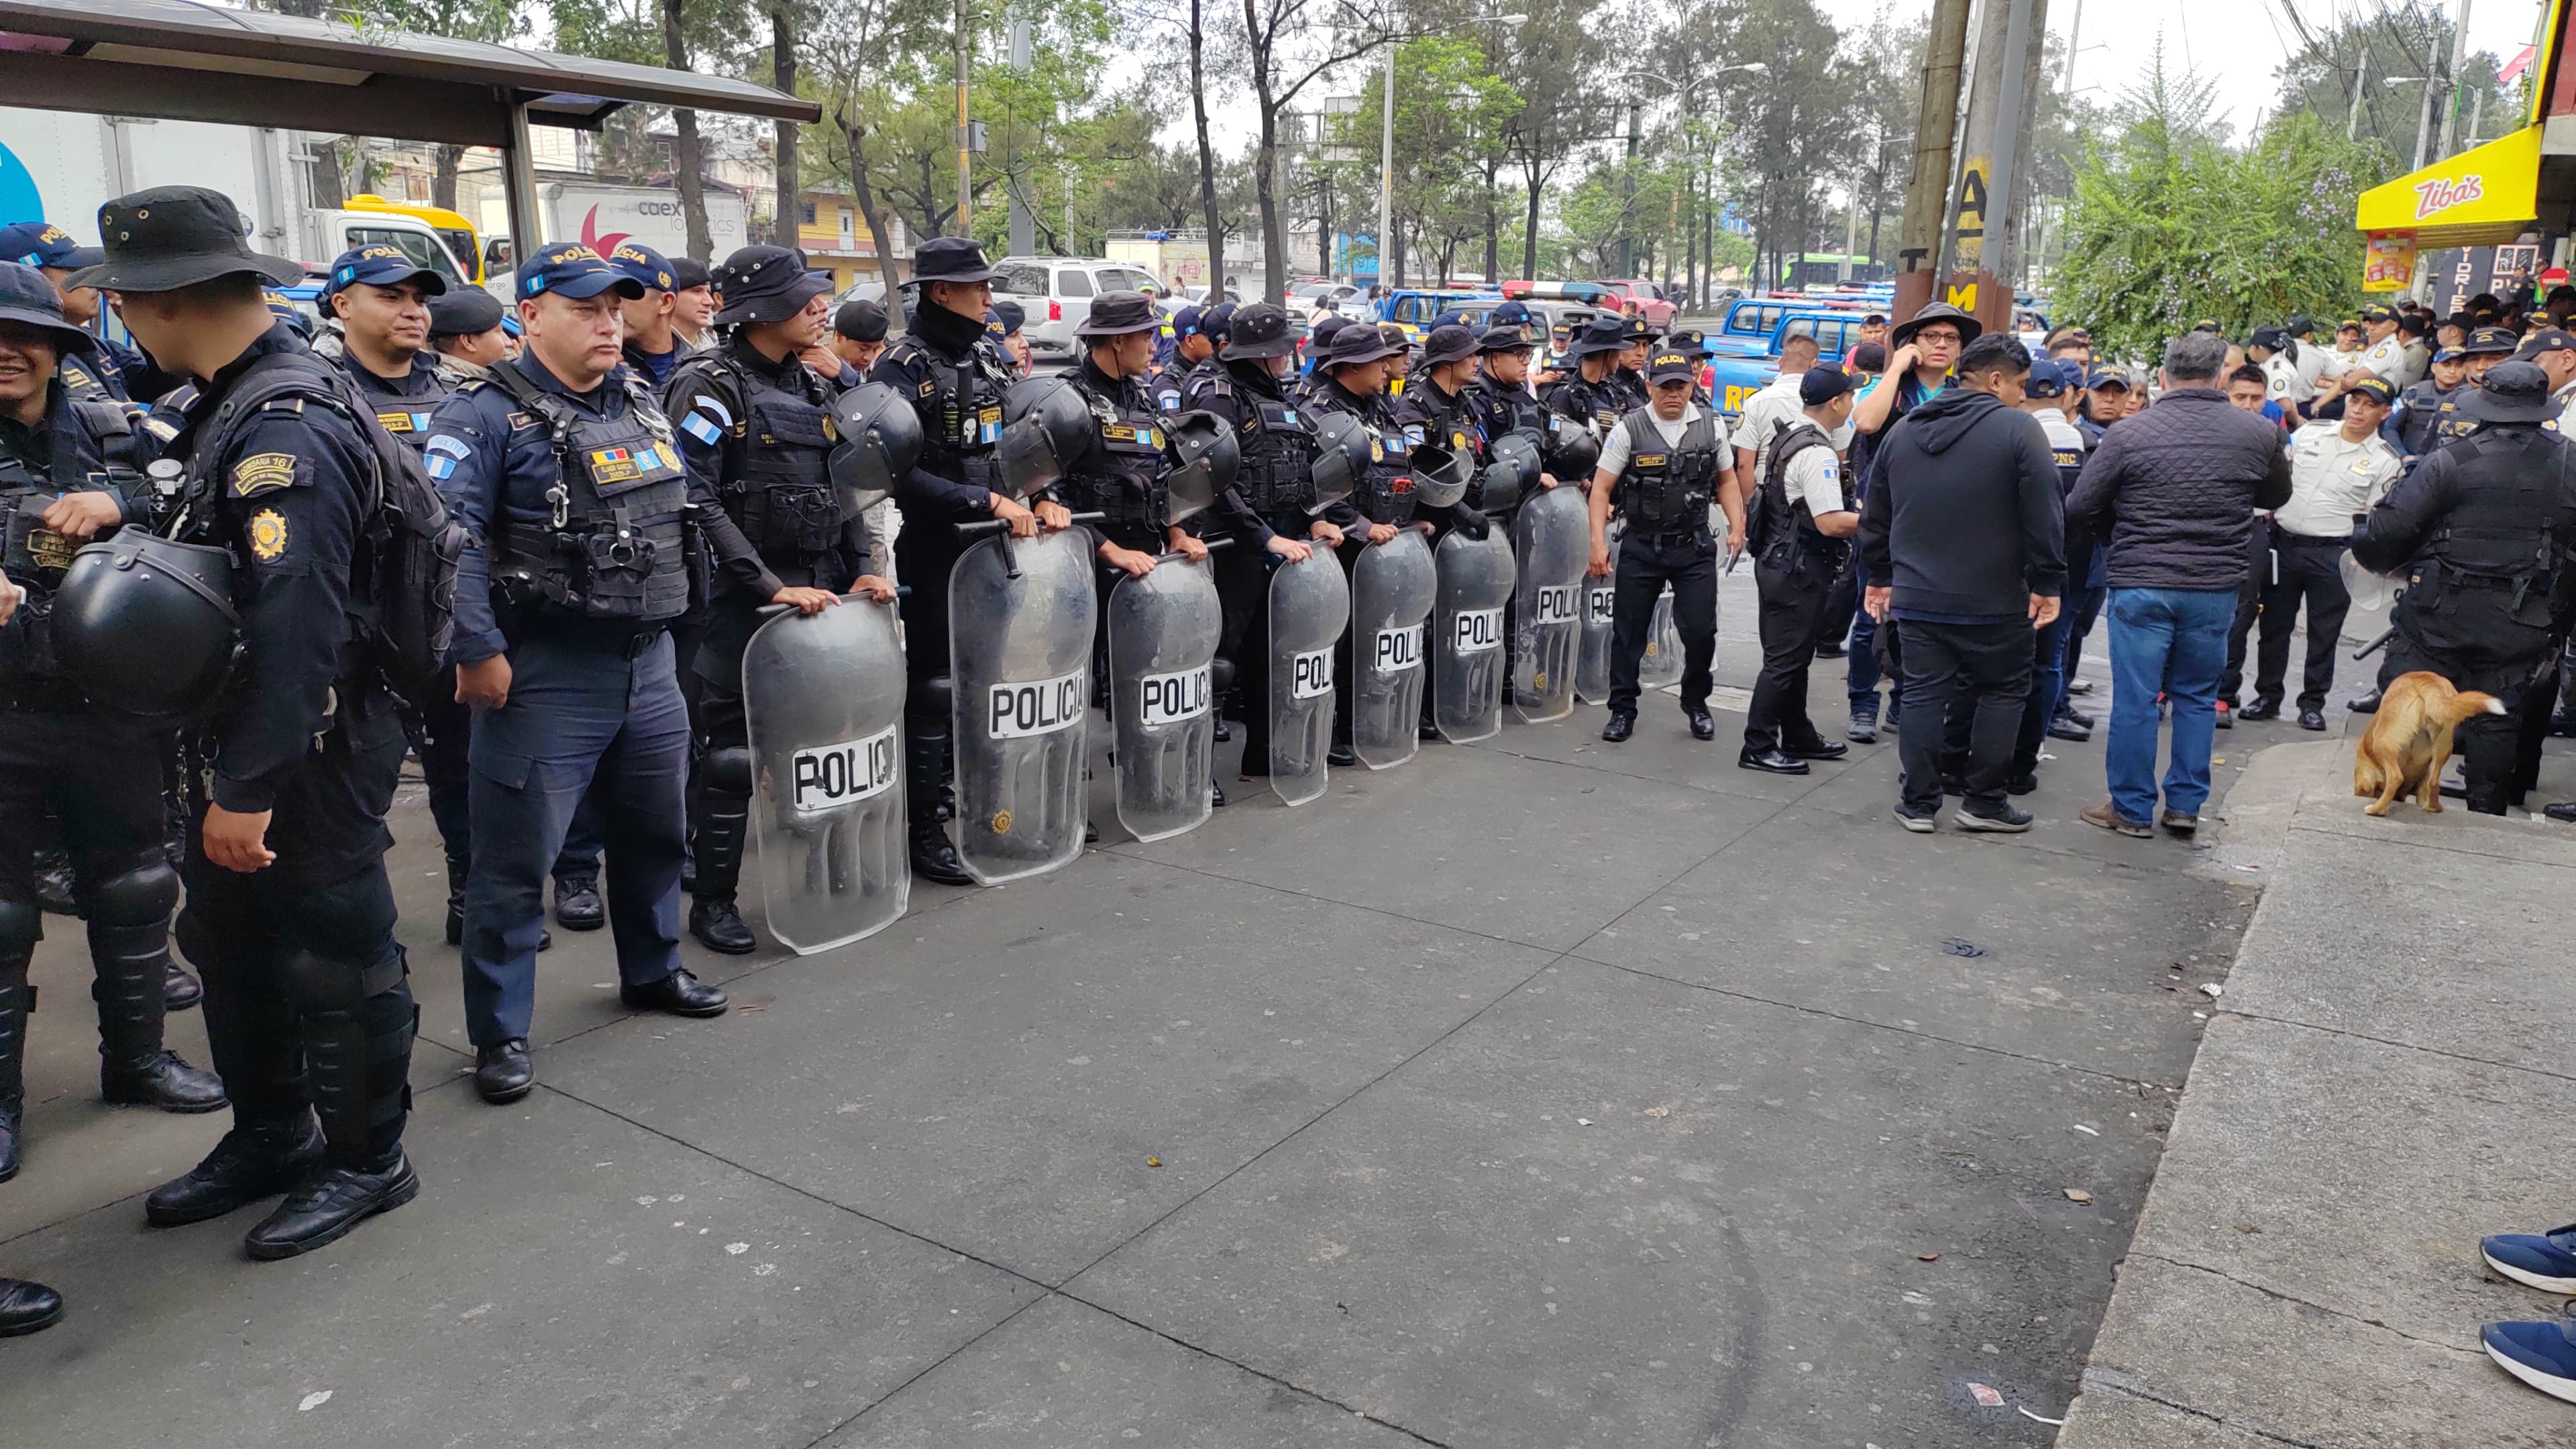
(179, 990)
(255, 1160)
(132, 963)
(356, 1024)
(17, 998)
(577, 903)
(713, 917)
(926, 785)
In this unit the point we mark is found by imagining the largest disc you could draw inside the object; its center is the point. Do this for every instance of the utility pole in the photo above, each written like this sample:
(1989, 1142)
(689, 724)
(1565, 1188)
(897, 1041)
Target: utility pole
(1024, 224)
(1926, 193)
(2360, 86)
(1385, 179)
(965, 138)
(1628, 200)
(2074, 30)
(2424, 124)
(2451, 101)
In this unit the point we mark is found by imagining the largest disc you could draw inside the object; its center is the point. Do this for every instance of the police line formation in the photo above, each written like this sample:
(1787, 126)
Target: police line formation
(617, 592)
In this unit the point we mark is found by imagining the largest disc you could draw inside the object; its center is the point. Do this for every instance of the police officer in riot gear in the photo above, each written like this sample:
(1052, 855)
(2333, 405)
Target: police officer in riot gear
(1353, 375)
(26, 1306)
(753, 427)
(1590, 394)
(955, 377)
(1662, 466)
(1800, 537)
(568, 477)
(1438, 407)
(289, 913)
(2481, 528)
(120, 367)
(70, 470)
(1266, 511)
(1500, 395)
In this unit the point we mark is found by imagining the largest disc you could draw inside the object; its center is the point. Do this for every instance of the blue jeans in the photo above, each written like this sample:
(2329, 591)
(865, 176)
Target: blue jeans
(1860, 670)
(2174, 641)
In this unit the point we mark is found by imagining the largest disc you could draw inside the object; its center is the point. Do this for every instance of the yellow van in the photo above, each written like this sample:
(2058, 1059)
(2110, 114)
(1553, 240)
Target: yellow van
(463, 241)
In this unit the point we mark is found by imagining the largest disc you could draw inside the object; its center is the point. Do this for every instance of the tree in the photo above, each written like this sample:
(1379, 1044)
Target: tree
(2340, 76)
(1287, 46)
(2169, 224)
(489, 20)
(1552, 65)
(1447, 106)
(662, 33)
(859, 49)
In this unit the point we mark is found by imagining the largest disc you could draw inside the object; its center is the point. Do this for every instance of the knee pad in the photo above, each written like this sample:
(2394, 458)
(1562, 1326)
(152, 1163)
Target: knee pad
(142, 896)
(22, 925)
(728, 769)
(932, 702)
(1220, 676)
(328, 986)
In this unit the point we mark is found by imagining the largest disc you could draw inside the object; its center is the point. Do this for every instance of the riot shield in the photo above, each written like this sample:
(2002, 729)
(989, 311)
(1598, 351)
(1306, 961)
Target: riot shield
(1661, 664)
(1020, 661)
(1162, 641)
(1600, 611)
(1468, 660)
(1392, 587)
(1553, 535)
(1310, 605)
(822, 698)
(2372, 594)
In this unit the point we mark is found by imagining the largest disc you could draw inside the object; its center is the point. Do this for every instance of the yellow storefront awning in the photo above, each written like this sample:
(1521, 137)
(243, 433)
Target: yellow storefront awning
(2486, 196)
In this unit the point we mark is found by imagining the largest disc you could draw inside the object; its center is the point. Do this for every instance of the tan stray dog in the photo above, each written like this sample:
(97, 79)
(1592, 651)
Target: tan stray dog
(2409, 740)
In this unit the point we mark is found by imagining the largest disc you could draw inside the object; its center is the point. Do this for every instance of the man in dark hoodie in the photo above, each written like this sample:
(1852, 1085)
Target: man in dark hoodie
(1962, 518)
(2176, 487)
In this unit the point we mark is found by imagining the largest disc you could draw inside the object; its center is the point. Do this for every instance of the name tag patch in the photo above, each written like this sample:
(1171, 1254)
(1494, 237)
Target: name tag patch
(828, 777)
(1017, 711)
(624, 465)
(261, 472)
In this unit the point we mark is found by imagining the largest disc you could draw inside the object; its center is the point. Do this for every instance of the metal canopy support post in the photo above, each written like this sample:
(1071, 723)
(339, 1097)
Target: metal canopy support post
(519, 175)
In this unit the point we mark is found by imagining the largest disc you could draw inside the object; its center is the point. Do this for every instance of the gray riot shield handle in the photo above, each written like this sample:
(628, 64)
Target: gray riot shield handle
(772, 611)
(998, 528)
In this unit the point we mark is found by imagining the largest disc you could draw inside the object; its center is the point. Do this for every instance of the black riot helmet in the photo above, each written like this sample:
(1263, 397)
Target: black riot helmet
(1441, 473)
(1577, 447)
(1344, 449)
(146, 626)
(1204, 461)
(880, 440)
(1512, 473)
(1045, 426)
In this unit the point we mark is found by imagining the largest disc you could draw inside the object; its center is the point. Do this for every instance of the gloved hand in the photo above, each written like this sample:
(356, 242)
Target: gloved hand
(1470, 522)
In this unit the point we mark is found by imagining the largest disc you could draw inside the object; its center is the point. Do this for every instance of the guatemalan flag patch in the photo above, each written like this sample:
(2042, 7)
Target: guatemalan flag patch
(707, 420)
(444, 453)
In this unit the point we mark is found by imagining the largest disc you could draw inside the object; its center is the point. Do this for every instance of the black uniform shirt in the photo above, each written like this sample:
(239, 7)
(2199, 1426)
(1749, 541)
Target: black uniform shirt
(291, 492)
(715, 468)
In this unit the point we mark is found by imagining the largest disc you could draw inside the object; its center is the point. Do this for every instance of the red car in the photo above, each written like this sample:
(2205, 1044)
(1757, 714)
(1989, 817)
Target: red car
(1642, 299)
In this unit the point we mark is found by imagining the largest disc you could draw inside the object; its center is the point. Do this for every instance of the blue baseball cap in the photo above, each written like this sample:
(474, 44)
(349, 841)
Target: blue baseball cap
(2047, 378)
(1217, 321)
(2106, 374)
(572, 270)
(1451, 318)
(42, 244)
(1010, 316)
(650, 269)
(380, 264)
(1188, 322)
(1509, 314)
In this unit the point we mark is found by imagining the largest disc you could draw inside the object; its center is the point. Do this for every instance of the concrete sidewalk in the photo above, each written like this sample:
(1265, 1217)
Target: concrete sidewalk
(2383, 1085)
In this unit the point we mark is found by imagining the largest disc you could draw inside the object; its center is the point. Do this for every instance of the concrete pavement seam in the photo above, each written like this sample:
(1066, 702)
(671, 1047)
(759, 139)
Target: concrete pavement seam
(2430, 1051)
(1804, 1009)
(2297, 1301)
(2109, 1385)
(2446, 847)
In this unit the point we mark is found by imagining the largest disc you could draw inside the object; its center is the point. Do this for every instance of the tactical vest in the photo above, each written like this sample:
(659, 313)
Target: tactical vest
(2482, 585)
(1385, 491)
(1277, 442)
(405, 415)
(2423, 409)
(1667, 487)
(1123, 477)
(781, 493)
(615, 546)
(1783, 524)
(966, 422)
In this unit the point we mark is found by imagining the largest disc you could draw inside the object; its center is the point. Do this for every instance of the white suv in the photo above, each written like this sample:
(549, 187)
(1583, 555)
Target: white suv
(1055, 294)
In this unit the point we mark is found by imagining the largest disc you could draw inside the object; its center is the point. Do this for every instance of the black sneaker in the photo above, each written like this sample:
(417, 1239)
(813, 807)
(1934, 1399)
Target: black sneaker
(1863, 730)
(2011, 820)
(2260, 710)
(327, 1204)
(1918, 824)
(250, 1163)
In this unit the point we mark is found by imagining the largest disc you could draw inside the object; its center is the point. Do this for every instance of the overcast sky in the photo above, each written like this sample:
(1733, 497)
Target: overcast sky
(2236, 43)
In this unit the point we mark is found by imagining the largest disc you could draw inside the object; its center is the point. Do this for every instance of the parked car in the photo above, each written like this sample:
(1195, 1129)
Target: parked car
(908, 295)
(1305, 298)
(1590, 294)
(1413, 309)
(1734, 376)
(1641, 298)
(1554, 324)
(1056, 293)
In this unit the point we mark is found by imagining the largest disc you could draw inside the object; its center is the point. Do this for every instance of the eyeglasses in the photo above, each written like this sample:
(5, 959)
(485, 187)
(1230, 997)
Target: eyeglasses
(1943, 334)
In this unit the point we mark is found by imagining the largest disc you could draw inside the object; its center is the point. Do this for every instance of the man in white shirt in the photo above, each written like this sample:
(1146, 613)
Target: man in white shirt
(2338, 469)
(1801, 547)
(1770, 410)
(2283, 382)
(2555, 351)
(1665, 462)
(2384, 354)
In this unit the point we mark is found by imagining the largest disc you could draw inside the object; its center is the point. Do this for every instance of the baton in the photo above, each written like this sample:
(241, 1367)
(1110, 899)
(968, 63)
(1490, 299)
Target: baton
(2375, 645)
(1001, 528)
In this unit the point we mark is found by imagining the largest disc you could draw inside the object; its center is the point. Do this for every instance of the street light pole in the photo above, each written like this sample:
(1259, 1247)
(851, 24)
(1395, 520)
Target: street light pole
(1386, 150)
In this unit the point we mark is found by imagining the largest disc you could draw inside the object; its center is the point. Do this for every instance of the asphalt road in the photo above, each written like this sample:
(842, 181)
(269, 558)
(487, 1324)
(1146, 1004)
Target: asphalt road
(1540, 1093)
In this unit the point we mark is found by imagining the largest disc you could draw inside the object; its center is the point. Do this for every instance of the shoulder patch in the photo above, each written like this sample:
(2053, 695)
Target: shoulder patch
(929, 386)
(282, 405)
(521, 420)
(261, 472)
(268, 535)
